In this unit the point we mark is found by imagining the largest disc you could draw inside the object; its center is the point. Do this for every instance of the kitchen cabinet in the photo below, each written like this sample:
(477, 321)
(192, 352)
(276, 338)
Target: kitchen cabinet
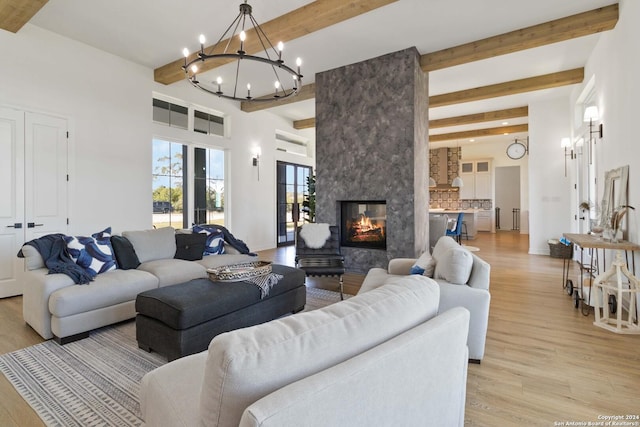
(477, 179)
(483, 220)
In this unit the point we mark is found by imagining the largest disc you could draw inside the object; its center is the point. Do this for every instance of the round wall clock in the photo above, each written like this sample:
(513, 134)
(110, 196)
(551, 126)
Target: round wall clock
(516, 150)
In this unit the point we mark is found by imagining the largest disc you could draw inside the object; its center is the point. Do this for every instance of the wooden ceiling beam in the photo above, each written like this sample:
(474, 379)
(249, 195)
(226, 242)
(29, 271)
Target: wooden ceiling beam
(15, 13)
(306, 92)
(547, 81)
(489, 116)
(297, 23)
(304, 123)
(570, 27)
(477, 133)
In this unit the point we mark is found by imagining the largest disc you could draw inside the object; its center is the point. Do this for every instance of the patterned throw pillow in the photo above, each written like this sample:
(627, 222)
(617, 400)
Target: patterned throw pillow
(424, 265)
(94, 253)
(215, 240)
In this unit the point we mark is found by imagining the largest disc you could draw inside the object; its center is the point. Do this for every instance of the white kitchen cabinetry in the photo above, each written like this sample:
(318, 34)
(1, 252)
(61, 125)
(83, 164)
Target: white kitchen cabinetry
(483, 220)
(477, 179)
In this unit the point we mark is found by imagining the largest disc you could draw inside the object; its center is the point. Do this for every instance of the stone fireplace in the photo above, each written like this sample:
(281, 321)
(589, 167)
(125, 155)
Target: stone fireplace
(363, 224)
(372, 145)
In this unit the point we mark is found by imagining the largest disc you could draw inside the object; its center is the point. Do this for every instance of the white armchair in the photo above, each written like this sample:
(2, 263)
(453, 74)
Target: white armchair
(473, 294)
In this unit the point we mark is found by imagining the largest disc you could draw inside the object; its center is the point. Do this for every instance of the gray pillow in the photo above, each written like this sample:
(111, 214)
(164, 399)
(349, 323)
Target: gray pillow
(454, 266)
(151, 245)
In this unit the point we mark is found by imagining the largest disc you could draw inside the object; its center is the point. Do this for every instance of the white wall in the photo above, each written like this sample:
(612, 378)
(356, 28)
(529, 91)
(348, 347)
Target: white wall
(615, 65)
(106, 100)
(550, 198)
(108, 103)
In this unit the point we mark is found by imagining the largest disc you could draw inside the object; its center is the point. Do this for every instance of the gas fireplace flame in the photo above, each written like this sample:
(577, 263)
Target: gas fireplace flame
(364, 229)
(365, 223)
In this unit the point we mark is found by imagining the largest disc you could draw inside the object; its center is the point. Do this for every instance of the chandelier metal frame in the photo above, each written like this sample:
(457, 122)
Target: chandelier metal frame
(281, 91)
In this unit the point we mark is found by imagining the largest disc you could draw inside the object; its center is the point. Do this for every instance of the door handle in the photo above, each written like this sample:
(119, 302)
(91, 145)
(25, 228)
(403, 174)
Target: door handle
(16, 225)
(32, 225)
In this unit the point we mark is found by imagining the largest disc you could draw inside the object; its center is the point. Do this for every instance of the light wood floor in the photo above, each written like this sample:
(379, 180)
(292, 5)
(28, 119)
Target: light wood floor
(545, 362)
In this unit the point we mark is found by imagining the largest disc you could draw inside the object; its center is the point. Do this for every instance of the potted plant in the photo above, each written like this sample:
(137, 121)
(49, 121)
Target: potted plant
(309, 202)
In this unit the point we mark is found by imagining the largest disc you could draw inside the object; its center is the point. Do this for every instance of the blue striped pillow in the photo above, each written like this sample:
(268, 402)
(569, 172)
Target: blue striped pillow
(94, 253)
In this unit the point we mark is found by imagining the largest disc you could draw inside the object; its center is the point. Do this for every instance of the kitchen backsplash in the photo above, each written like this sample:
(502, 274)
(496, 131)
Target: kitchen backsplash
(450, 200)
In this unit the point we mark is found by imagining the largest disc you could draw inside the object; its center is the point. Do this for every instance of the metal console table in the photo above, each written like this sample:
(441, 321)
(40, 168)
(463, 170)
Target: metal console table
(597, 250)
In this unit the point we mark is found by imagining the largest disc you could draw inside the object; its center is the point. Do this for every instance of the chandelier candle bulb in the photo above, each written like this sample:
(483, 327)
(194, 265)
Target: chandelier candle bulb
(243, 37)
(248, 90)
(219, 82)
(202, 40)
(299, 63)
(185, 52)
(280, 48)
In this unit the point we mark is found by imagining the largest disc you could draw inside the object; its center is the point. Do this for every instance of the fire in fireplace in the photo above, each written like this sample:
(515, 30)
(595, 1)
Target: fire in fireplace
(363, 224)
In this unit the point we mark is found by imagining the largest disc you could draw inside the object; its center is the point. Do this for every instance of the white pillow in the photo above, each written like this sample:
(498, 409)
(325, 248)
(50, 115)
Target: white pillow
(454, 266)
(424, 265)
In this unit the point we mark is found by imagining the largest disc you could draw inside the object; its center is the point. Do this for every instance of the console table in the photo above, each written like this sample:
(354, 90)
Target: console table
(597, 247)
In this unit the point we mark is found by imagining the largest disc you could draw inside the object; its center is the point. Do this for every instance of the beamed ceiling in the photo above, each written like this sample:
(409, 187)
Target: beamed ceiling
(486, 60)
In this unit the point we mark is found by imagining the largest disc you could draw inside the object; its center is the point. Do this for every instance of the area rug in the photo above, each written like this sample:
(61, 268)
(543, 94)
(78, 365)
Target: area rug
(94, 381)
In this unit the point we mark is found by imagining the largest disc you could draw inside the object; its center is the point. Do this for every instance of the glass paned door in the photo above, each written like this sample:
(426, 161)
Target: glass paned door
(292, 188)
(208, 186)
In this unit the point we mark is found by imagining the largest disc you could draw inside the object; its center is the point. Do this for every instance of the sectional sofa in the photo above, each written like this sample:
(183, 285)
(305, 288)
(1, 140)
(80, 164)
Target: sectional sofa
(382, 357)
(56, 307)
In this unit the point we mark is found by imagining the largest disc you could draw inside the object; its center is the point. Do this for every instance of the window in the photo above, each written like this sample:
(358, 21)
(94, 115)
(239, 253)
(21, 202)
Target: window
(210, 124)
(168, 183)
(182, 196)
(170, 114)
(208, 186)
(171, 185)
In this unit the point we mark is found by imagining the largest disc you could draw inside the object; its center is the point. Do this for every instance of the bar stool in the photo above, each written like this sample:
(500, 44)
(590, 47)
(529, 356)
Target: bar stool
(464, 231)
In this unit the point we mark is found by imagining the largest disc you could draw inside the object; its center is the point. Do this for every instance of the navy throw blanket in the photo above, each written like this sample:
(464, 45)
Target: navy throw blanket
(237, 244)
(54, 252)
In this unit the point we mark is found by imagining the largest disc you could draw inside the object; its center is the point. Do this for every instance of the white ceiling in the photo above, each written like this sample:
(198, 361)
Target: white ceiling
(153, 33)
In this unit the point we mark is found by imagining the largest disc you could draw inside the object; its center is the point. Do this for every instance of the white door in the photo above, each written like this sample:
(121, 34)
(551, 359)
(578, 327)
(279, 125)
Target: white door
(33, 185)
(11, 200)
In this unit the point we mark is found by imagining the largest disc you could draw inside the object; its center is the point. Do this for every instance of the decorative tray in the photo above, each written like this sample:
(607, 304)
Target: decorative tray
(238, 272)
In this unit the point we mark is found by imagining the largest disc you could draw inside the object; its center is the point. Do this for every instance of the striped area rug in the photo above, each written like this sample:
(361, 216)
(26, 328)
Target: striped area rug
(94, 381)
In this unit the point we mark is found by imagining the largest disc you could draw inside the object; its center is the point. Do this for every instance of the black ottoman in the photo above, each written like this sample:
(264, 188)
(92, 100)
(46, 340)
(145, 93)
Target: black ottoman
(182, 319)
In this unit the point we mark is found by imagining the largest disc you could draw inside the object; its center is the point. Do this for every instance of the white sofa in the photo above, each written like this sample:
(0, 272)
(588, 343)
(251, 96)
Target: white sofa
(55, 307)
(382, 357)
(468, 289)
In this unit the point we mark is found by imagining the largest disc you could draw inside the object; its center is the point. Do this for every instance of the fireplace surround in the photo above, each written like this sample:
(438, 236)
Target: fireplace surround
(363, 224)
(372, 133)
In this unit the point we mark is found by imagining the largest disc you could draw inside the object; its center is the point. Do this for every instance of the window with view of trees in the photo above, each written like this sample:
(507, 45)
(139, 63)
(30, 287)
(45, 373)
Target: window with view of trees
(171, 185)
(168, 183)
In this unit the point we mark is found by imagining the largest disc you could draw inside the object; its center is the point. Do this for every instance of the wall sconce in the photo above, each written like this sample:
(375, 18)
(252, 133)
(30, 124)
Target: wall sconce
(566, 143)
(256, 159)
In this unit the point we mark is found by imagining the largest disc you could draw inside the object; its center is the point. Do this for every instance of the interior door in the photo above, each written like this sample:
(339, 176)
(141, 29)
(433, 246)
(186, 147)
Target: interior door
(46, 175)
(12, 201)
(33, 171)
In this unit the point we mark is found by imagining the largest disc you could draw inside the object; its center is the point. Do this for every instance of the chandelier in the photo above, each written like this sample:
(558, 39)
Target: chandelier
(231, 47)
